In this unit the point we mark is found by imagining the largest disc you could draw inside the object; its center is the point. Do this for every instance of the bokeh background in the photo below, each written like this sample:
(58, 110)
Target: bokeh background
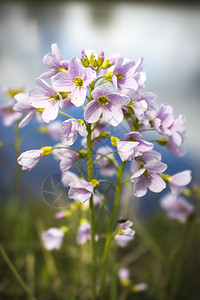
(166, 34)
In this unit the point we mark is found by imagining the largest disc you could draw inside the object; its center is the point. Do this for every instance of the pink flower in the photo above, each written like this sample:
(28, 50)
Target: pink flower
(124, 273)
(23, 105)
(176, 208)
(140, 287)
(54, 62)
(83, 234)
(47, 98)
(75, 81)
(8, 114)
(125, 234)
(52, 238)
(29, 159)
(147, 174)
(106, 103)
(70, 129)
(179, 180)
(80, 190)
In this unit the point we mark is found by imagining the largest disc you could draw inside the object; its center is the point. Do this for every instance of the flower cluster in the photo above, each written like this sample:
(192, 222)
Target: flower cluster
(106, 93)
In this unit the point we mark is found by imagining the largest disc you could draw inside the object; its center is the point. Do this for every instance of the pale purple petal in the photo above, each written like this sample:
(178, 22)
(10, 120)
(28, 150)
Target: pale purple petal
(92, 112)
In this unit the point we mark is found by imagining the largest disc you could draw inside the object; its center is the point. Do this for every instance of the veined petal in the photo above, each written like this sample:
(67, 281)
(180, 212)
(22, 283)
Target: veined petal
(92, 111)
(50, 112)
(113, 115)
(156, 183)
(78, 96)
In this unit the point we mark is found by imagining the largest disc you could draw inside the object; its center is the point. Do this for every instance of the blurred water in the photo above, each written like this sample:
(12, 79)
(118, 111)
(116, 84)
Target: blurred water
(168, 37)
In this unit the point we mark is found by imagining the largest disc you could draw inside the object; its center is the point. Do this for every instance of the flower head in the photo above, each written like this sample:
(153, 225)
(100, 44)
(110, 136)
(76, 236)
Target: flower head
(75, 81)
(23, 105)
(80, 190)
(9, 115)
(106, 103)
(46, 98)
(54, 62)
(147, 173)
(176, 208)
(83, 234)
(125, 234)
(52, 238)
(29, 159)
(70, 129)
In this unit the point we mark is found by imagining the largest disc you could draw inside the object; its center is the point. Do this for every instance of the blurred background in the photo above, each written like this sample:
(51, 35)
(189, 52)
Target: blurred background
(165, 33)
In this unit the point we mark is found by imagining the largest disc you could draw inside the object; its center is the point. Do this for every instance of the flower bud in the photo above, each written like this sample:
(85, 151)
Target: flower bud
(114, 141)
(163, 141)
(46, 150)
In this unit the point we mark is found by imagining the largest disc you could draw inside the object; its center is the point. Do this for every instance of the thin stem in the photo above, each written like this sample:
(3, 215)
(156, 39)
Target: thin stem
(66, 115)
(104, 180)
(53, 148)
(91, 212)
(110, 229)
(16, 274)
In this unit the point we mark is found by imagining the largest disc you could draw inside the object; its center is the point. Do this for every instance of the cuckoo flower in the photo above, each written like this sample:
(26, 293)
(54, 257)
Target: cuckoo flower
(177, 208)
(75, 81)
(54, 62)
(23, 105)
(80, 190)
(107, 167)
(106, 103)
(145, 108)
(132, 146)
(67, 157)
(44, 97)
(147, 169)
(124, 274)
(83, 234)
(178, 181)
(29, 159)
(140, 287)
(52, 238)
(68, 177)
(9, 116)
(125, 234)
(128, 75)
(70, 129)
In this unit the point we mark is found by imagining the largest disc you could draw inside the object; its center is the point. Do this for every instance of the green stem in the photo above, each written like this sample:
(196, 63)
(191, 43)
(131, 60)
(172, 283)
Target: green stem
(110, 229)
(16, 274)
(66, 115)
(104, 180)
(91, 211)
(66, 148)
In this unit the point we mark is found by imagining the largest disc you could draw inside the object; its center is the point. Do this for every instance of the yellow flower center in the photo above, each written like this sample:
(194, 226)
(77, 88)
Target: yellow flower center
(78, 81)
(118, 75)
(103, 100)
(54, 97)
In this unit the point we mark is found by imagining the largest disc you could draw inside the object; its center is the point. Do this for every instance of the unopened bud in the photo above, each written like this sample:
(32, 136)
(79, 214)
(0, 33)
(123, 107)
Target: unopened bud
(46, 150)
(94, 182)
(163, 141)
(106, 64)
(114, 141)
(82, 153)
